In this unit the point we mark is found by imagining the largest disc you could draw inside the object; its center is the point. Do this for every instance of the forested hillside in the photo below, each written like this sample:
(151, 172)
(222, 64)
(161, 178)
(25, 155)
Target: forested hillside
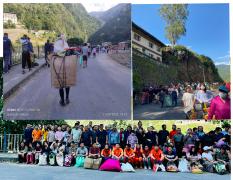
(71, 19)
(179, 65)
(116, 25)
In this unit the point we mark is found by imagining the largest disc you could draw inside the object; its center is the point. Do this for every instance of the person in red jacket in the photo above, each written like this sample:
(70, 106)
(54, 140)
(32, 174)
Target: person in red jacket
(172, 132)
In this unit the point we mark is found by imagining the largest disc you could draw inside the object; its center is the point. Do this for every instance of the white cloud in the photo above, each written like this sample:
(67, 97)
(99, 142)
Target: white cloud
(103, 6)
(189, 47)
(222, 63)
(224, 57)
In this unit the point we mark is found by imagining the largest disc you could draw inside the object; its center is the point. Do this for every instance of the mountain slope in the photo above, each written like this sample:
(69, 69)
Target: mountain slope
(116, 27)
(224, 71)
(71, 19)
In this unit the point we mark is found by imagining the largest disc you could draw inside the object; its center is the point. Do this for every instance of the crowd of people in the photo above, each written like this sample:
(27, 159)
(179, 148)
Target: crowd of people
(198, 101)
(27, 53)
(195, 150)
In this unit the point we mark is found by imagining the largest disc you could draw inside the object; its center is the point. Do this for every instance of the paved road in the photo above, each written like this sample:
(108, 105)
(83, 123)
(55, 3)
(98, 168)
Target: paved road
(155, 112)
(11, 171)
(103, 91)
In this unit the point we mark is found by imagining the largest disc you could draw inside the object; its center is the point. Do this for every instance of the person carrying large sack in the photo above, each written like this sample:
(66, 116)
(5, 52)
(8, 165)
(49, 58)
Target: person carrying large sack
(63, 69)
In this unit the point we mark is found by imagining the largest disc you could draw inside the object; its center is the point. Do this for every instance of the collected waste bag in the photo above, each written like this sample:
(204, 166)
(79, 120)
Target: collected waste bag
(42, 160)
(183, 165)
(79, 161)
(127, 167)
(63, 71)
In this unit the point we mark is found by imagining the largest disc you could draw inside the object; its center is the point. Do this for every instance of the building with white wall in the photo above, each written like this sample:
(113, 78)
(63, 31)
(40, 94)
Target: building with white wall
(146, 43)
(10, 16)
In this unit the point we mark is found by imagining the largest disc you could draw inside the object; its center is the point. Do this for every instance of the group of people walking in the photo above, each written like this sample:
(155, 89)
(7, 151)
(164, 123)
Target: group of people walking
(196, 150)
(26, 53)
(197, 100)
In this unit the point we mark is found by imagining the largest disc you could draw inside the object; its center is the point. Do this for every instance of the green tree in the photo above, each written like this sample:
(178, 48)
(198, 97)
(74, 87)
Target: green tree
(175, 16)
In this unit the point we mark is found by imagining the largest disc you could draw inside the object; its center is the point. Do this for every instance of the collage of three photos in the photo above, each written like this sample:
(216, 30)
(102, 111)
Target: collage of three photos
(116, 87)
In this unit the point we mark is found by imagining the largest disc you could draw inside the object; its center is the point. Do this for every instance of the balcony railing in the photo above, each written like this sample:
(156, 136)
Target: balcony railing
(10, 142)
(17, 54)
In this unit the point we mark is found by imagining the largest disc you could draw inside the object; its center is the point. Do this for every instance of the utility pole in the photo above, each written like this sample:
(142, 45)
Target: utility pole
(204, 74)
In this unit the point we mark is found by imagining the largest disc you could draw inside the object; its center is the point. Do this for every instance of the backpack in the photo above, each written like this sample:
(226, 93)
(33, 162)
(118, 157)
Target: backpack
(25, 47)
(220, 168)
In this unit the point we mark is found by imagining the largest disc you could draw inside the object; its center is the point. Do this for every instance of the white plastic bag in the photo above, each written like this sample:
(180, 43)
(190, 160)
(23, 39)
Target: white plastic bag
(60, 159)
(127, 167)
(161, 166)
(42, 160)
(183, 165)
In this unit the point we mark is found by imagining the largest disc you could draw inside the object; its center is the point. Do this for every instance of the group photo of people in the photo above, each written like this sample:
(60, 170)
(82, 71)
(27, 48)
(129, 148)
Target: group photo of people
(154, 148)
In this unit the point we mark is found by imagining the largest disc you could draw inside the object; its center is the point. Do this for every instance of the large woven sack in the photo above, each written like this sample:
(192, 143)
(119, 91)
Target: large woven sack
(42, 160)
(63, 71)
(88, 163)
(111, 165)
(96, 163)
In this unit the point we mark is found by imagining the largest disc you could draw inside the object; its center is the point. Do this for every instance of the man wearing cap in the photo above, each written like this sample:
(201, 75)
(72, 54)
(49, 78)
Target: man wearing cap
(220, 107)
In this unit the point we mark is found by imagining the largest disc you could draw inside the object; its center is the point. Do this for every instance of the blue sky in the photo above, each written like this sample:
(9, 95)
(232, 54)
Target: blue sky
(207, 28)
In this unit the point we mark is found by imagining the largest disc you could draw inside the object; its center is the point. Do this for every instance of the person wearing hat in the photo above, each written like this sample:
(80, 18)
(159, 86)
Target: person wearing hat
(220, 107)
(208, 160)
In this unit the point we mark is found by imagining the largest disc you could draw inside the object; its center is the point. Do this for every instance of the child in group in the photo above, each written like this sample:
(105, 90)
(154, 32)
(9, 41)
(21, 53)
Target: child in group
(138, 156)
(146, 158)
(106, 153)
(129, 154)
(117, 153)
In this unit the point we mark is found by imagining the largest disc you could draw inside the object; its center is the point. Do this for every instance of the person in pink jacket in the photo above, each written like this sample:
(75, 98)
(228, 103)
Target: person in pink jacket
(220, 107)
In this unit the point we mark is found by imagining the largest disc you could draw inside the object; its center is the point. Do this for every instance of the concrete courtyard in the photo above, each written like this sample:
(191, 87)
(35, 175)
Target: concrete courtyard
(13, 171)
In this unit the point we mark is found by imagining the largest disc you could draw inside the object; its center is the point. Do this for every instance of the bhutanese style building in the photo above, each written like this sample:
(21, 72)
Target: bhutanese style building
(146, 43)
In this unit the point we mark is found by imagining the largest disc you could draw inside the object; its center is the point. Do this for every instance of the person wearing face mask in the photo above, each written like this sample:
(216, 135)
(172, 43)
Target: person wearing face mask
(220, 107)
